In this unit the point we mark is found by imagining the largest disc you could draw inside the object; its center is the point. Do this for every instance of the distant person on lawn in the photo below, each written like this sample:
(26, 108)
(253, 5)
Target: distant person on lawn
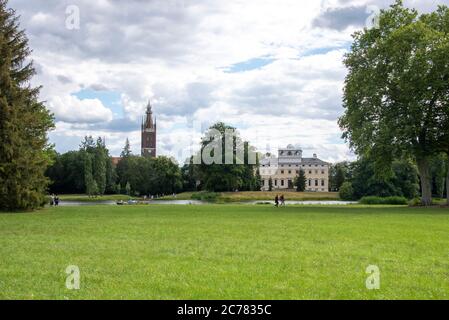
(282, 200)
(276, 201)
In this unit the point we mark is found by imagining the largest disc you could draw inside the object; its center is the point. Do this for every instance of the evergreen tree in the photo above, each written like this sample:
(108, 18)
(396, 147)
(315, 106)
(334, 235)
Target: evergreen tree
(88, 144)
(24, 122)
(301, 181)
(90, 184)
(270, 184)
(99, 165)
(128, 189)
(339, 177)
(126, 152)
(258, 181)
(111, 177)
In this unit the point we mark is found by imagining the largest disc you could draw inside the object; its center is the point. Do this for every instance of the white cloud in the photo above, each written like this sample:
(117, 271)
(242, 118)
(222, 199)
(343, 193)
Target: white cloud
(72, 110)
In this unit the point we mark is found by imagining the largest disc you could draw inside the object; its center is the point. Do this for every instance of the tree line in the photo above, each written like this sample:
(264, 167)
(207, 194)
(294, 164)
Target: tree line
(90, 170)
(358, 179)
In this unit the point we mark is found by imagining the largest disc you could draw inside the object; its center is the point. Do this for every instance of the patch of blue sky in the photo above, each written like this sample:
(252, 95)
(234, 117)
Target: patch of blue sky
(323, 50)
(248, 65)
(110, 99)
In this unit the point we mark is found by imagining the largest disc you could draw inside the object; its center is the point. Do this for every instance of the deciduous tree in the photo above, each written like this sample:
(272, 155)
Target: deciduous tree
(396, 92)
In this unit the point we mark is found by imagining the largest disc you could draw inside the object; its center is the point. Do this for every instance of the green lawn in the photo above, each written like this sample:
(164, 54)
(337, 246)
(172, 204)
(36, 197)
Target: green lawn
(225, 252)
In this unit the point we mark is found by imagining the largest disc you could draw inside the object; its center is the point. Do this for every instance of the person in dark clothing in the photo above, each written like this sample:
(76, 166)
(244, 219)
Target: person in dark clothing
(282, 200)
(56, 200)
(276, 201)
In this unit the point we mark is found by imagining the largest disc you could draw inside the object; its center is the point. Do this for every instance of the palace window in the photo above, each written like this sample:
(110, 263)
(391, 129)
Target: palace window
(322, 182)
(316, 183)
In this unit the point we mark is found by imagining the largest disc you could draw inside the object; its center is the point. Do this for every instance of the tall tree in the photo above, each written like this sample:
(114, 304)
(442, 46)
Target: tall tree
(24, 121)
(126, 152)
(224, 161)
(300, 181)
(99, 165)
(396, 96)
(91, 187)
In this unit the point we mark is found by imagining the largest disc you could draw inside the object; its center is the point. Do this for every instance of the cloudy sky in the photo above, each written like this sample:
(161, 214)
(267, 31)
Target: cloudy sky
(272, 68)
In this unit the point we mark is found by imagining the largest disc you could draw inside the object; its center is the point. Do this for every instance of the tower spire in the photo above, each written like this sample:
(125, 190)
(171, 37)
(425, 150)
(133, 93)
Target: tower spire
(149, 107)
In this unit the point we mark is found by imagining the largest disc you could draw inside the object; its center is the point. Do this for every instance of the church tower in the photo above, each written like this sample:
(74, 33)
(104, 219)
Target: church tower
(148, 134)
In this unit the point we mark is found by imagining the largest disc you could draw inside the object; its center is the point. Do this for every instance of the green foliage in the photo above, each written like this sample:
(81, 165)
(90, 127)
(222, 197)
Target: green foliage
(403, 180)
(24, 122)
(206, 196)
(128, 188)
(126, 152)
(150, 176)
(300, 181)
(190, 175)
(91, 187)
(346, 191)
(220, 177)
(339, 173)
(415, 202)
(99, 165)
(384, 200)
(438, 170)
(270, 184)
(395, 97)
(68, 171)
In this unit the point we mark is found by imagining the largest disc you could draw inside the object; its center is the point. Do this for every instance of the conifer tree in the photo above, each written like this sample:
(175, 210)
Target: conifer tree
(24, 122)
(99, 165)
(300, 181)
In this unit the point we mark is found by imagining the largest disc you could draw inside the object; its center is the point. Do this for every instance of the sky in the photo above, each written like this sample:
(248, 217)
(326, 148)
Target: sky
(273, 69)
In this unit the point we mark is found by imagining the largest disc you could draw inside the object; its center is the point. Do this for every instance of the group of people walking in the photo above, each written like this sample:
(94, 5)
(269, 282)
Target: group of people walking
(279, 200)
(54, 200)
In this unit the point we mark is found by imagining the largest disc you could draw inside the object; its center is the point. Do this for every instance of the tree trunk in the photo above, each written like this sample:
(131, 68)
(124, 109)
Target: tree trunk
(426, 183)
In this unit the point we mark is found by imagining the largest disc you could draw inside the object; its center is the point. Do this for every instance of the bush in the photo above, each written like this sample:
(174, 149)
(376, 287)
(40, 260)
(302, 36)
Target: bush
(415, 202)
(346, 191)
(384, 200)
(206, 196)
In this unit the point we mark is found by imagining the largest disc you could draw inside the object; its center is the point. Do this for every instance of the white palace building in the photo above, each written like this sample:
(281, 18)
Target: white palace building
(285, 168)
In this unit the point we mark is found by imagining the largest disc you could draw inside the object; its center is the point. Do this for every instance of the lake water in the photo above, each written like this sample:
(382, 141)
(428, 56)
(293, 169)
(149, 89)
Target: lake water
(198, 202)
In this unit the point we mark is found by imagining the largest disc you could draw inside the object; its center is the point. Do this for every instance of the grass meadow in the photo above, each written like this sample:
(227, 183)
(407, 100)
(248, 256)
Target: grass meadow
(225, 252)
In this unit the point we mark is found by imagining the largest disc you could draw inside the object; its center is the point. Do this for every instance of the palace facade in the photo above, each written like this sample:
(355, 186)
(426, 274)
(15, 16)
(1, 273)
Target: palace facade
(284, 168)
